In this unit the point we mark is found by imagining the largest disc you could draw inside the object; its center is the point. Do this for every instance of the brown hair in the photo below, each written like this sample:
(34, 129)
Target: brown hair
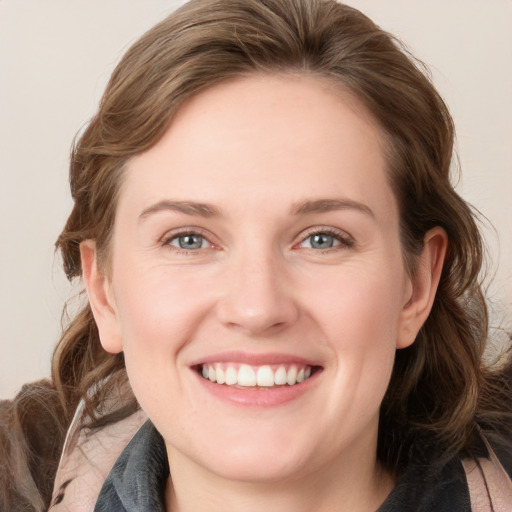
(439, 387)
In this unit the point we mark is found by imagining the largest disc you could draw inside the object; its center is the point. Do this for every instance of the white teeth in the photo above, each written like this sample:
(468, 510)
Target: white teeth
(246, 376)
(231, 376)
(292, 376)
(265, 376)
(280, 378)
(221, 378)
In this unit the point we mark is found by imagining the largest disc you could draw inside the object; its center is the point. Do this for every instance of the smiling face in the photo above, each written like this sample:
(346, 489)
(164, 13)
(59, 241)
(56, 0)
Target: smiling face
(256, 283)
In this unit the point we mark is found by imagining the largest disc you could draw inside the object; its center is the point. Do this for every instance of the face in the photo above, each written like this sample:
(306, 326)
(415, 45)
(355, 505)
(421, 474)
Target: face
(256, 284)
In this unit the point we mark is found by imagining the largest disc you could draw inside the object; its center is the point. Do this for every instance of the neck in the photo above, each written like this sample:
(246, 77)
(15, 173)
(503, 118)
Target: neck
(359, 485)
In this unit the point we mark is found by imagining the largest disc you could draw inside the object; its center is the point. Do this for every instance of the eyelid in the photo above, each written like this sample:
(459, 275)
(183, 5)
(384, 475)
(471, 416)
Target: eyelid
(184, 231)
(345, 239)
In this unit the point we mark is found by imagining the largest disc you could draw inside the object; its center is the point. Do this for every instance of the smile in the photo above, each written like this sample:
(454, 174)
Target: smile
(248, 376)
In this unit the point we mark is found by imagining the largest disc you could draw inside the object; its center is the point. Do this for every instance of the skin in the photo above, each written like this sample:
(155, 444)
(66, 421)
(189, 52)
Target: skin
(256, 149)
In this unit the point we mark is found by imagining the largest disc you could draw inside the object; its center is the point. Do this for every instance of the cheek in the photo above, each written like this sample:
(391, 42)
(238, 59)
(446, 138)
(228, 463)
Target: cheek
(158, 315)
(361, 308)
(360, 315)
(158, 312)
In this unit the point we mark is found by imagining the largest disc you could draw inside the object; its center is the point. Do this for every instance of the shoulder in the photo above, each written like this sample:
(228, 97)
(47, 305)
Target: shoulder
(87, 458)
(430, 485)
(489, 477)
(32, 428)
(433, 481)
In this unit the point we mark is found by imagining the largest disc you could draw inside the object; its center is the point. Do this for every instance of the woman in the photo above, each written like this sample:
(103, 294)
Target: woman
(280, 276)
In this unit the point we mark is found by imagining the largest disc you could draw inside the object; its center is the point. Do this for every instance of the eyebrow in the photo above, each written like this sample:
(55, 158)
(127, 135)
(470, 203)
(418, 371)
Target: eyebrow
(328, 205)
(187, 207)
(301, 208)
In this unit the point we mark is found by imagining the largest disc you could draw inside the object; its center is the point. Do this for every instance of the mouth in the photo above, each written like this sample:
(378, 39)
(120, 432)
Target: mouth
(257, 377)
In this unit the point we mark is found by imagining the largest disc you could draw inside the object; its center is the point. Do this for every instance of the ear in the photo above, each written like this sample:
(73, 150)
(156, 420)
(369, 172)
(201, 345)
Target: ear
(423, 286)
(101, 298)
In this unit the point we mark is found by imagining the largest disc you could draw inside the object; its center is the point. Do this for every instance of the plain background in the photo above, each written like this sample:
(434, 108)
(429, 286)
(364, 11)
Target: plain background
(55, 59)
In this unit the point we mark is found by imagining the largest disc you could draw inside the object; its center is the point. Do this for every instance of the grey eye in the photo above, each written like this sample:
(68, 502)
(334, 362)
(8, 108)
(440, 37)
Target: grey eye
(322, 241)
(189, 242)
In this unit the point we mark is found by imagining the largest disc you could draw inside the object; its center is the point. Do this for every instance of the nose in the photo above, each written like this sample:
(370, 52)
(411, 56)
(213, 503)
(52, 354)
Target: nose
(258, 295)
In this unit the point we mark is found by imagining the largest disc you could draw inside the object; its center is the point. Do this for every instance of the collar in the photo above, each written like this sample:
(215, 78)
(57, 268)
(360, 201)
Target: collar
(138, 479)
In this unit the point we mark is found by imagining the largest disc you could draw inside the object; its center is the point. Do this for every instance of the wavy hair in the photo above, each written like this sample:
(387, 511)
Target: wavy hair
(440, 387)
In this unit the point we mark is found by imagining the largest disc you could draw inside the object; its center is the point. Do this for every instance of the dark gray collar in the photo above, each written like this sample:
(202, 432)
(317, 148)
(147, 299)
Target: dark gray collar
(137, 481)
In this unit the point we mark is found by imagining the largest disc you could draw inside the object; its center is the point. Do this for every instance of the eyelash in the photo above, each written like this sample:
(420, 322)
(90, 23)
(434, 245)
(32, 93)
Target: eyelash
(345, 241)
(168, 238)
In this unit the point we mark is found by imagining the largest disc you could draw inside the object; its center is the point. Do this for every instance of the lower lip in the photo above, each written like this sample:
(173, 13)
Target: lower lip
(258, 397)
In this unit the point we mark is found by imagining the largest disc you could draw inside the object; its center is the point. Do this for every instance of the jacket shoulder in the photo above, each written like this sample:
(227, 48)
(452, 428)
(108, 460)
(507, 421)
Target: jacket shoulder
(87, 457)
(32, 427)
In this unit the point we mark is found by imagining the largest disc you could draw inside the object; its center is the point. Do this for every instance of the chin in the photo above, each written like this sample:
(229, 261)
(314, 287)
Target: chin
(254, 467)
(265, 454)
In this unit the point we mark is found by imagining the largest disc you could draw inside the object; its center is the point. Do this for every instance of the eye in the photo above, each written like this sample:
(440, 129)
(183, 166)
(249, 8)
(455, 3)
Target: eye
(188, 241)
(323, 240)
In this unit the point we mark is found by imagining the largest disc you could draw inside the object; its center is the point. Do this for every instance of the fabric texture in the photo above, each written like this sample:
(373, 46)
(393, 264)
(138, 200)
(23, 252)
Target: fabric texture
(137, 481)
(124, 467)
(490, 486)
(32, 429)
(86, 460)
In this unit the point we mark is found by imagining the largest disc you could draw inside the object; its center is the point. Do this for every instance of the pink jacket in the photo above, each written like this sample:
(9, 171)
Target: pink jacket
(86, 460)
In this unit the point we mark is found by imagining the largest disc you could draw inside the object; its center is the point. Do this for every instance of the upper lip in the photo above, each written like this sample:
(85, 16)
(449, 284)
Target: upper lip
(253, 359)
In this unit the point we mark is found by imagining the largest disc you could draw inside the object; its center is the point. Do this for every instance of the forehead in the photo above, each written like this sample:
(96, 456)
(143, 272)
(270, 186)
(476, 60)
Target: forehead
(287, 136)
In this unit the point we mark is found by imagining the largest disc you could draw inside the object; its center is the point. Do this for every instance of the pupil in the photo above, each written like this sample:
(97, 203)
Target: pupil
(190, 242)
(322, 241)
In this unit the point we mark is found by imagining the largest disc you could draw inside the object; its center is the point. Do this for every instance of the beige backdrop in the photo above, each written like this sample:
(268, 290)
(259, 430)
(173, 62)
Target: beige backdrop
(55, 58)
